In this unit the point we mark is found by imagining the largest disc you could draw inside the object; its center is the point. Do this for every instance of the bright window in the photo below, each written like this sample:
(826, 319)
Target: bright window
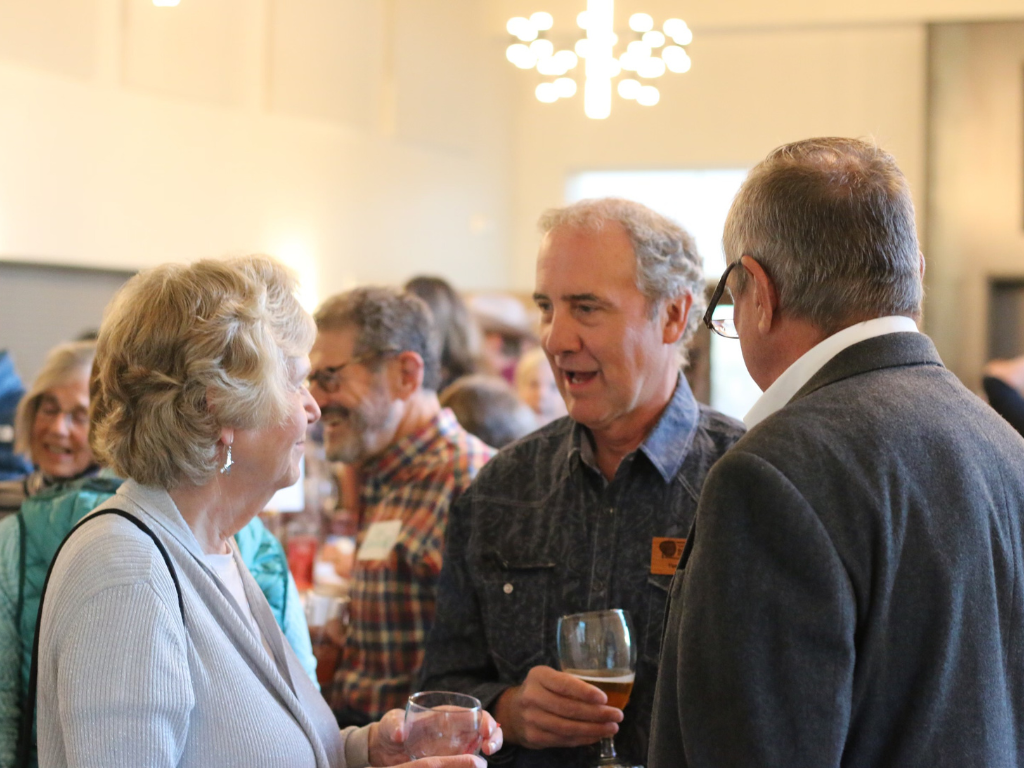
(699, 200)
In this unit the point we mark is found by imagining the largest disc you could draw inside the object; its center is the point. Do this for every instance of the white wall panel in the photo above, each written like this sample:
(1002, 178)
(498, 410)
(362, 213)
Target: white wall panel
(53, 35)
(436, 71)
(197, 50)
(326, 59)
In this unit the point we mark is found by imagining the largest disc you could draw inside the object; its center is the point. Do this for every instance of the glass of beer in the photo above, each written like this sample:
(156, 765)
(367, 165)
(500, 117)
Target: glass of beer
(598, 648)
(442, 724)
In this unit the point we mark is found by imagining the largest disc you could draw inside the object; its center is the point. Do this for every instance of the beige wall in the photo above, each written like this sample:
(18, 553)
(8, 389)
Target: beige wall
(366, 140)
(976, 189)
(360, 140)
(747, 93)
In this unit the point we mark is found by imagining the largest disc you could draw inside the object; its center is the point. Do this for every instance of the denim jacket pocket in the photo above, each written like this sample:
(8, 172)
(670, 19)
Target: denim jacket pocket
(657, 600)
(516, 596)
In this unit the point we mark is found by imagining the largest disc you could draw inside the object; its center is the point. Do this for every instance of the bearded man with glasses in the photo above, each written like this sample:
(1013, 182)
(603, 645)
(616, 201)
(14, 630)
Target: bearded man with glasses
(852, 593)
(374, 373)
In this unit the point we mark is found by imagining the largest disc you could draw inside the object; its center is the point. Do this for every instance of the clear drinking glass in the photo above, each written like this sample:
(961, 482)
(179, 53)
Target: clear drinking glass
(442, 724)
(598, 648)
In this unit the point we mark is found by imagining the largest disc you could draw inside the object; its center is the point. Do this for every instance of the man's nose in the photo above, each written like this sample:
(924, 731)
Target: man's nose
(559, 335)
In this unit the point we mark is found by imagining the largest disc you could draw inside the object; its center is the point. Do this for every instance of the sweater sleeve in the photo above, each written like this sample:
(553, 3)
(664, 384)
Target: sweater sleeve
(10, 655)
(112, 689)
(296, 631)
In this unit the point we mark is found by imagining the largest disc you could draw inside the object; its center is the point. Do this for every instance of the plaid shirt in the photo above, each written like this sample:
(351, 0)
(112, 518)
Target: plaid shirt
(416, 481)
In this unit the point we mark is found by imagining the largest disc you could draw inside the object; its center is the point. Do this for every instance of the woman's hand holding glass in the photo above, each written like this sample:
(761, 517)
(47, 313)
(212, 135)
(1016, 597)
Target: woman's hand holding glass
(388, 743)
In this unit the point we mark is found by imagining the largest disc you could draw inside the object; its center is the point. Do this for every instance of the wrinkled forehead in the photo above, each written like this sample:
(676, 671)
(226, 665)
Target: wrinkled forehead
(577, 260)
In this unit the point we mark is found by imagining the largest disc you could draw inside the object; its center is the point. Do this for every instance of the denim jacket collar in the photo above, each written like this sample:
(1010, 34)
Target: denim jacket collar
(667, 444)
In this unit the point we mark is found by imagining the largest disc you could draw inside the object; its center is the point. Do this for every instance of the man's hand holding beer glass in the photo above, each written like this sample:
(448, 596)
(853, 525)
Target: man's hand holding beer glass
(555, 709)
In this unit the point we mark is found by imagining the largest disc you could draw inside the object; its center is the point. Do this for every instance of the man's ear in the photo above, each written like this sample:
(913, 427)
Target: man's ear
(408, 374)
(766, 298)
(674, 314)
(920, 258)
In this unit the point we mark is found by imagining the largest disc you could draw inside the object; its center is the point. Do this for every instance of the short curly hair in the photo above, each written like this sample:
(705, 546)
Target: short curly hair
(667, 262)
(185, 350)
(386, 320)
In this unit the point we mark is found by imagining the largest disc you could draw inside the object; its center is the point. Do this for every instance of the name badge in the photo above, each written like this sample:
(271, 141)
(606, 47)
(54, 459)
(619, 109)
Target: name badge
(665, 554)
(380, 540)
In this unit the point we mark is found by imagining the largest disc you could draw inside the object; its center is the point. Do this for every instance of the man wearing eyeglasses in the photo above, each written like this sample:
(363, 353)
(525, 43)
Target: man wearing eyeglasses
(853, 591)
(590, 512)
(375, 369)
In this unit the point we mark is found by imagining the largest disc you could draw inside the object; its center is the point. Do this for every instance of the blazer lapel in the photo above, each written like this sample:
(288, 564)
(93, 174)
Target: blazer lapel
(893, 350)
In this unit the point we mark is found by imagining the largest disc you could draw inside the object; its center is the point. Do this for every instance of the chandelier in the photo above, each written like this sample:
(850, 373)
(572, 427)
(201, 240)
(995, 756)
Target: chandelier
(648, 55)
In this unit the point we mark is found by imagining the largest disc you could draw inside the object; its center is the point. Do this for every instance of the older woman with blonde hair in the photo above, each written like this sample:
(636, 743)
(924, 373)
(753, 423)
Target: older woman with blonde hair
(156, 647)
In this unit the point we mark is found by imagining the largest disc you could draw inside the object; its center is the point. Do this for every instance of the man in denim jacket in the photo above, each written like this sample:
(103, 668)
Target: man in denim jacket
(591, 511)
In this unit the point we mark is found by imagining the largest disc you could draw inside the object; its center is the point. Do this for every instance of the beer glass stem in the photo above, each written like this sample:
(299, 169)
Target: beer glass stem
(607, 751)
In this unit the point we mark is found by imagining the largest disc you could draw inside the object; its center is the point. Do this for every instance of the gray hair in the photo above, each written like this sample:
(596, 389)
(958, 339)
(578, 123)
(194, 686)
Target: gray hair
(386, 320)
(187, 349)
(63, 363)
(667, 263)
(831, 222)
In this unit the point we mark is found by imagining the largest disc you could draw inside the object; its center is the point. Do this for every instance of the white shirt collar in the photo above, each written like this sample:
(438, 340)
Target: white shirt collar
(812, 361)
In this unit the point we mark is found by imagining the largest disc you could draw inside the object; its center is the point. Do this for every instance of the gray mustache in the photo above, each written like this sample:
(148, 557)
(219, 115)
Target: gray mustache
(338, 411)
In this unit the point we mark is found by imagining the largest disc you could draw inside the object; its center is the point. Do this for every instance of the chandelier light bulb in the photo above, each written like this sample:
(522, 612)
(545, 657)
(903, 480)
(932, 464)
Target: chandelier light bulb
(676, 59)
(567, 59)
(654, 67)
(629, 88)
(654, 38)
(566, 87)
(522, 56)
(520, 27)
(628, 62)
(583, 20)
(641, 22)
(678, 31)
(639, 50)
(648, 96)
(547, 93)
(542, 49)
(673, 27)
(542, 21)
(581, 48)
(549, 66)
(515, 52)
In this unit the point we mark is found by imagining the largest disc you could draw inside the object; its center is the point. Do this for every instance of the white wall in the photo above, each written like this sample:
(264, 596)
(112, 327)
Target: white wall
(976, 200)
(145, 135)
(748, 92)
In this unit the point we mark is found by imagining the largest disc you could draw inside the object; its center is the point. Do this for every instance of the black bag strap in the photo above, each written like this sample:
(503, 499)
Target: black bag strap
(25, 740)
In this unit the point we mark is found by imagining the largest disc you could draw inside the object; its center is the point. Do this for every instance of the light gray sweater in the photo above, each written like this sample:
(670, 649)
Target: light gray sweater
(124, 682)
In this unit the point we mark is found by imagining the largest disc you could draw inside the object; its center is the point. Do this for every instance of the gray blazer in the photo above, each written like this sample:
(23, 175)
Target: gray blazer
(124, 681)
(852, 593)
